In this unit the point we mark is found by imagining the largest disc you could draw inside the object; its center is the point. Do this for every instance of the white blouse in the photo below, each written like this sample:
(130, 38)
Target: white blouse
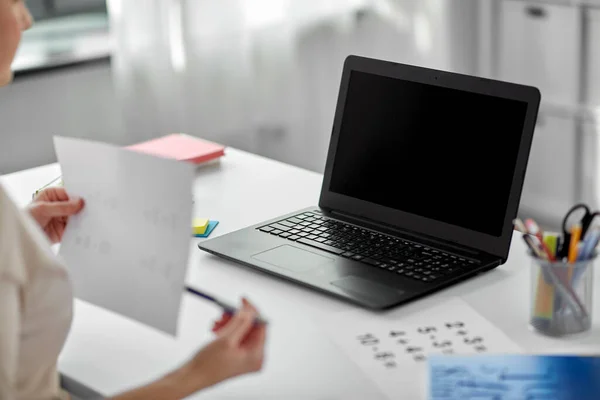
(36, 308)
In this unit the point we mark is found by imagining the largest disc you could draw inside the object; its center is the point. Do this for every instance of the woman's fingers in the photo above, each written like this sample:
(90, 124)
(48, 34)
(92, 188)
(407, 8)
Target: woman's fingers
(239, 326)
(256, 338)
(59, 209)
(218, 325)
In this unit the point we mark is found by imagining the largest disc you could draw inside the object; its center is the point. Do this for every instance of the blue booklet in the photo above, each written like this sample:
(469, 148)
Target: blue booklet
(514, 377)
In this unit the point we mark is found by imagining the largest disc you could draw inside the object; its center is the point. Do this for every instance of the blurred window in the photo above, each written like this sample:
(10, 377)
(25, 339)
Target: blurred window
(47, 9)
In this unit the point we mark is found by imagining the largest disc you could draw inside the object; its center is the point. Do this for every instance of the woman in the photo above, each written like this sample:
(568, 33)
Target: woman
(36, 297)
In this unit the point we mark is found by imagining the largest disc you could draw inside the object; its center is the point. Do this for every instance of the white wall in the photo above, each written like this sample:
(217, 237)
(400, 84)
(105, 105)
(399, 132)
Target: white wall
(263, 75)
(76, 101)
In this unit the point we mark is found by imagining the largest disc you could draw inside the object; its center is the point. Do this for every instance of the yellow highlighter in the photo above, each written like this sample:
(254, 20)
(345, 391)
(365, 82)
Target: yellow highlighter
(199, 226)
(544, 299)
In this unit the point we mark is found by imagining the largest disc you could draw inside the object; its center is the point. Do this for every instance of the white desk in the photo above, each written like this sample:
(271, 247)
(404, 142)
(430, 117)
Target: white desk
(110, 353)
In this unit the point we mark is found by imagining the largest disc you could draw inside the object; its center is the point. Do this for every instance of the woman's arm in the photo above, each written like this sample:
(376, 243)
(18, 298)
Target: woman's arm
(237, 350)
(176, 385)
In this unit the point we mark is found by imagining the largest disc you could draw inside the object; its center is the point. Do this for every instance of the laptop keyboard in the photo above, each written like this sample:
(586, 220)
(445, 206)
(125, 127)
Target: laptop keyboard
(389, 253)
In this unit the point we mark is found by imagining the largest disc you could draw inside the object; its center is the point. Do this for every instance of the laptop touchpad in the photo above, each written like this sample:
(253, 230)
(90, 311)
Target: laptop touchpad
(376, 293)
(293, 259)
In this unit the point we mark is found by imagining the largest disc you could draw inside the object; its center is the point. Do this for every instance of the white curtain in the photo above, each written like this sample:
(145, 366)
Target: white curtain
(263, 75)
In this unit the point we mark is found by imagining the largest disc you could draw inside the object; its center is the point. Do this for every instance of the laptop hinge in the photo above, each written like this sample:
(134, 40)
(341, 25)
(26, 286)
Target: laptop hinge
(475, 254)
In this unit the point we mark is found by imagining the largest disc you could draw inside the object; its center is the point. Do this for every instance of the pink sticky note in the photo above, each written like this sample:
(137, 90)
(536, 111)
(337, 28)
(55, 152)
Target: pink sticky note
(181, 147)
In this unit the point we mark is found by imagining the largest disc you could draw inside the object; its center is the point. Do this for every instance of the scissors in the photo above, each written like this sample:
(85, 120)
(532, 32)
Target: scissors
(580, 213)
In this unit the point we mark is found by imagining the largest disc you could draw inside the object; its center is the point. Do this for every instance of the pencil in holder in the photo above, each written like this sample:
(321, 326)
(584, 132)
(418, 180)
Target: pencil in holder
(561, 296)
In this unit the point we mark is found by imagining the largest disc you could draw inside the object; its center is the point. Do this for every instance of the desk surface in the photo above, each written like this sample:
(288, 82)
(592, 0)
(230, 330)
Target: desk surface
(111, 353)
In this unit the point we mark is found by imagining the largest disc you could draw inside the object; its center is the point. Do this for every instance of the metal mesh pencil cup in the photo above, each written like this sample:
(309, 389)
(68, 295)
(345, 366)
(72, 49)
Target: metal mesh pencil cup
(561, 296)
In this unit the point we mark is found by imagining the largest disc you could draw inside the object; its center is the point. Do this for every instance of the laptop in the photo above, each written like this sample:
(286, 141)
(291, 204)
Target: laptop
(422, 183)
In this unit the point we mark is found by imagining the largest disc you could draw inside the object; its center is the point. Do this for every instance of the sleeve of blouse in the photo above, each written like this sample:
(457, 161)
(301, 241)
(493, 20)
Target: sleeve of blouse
(12, 277)
(9, 337)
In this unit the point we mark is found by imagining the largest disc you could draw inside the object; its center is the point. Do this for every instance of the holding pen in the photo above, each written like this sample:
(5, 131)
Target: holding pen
(225, 306)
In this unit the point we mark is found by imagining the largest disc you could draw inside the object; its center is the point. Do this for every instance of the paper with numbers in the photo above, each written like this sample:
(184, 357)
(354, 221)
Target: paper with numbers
(392, 348)
(127, 251)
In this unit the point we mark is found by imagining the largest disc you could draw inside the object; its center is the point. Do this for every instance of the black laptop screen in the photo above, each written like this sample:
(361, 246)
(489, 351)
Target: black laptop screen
(440, 153)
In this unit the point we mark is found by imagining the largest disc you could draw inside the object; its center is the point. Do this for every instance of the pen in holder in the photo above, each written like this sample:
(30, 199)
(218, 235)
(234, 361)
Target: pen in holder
(561, 295)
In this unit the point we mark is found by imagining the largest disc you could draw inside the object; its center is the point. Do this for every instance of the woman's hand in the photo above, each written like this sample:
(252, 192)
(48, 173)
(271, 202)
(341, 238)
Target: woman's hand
(237, 350)
(51, 209)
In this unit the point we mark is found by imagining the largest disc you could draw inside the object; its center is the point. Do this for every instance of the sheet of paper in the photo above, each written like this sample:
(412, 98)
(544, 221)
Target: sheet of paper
(127, 251)
(392, 349)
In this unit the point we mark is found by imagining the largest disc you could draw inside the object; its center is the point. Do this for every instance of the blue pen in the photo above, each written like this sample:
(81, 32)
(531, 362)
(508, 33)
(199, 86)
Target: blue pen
(587, 251)
(227, 308)
(589, 245)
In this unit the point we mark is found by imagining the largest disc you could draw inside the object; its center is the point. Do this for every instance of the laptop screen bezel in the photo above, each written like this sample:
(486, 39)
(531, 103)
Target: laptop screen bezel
(497, 246)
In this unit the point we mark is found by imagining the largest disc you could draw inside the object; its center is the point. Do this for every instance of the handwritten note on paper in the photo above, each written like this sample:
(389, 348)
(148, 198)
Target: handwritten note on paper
(393, 350)
(128, 249)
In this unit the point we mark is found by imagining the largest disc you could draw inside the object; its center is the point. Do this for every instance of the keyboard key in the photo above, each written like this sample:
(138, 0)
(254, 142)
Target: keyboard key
(294, 231)
(276, 232)
(266, 229)
(285, 235)
(294, 237)
(320, 246)
(281, 227)
(286, 223)
(320, 240)
(303, 234)
(371, 261)
(358, 257)
(348, 254)
(312, 237)
(294, 220)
